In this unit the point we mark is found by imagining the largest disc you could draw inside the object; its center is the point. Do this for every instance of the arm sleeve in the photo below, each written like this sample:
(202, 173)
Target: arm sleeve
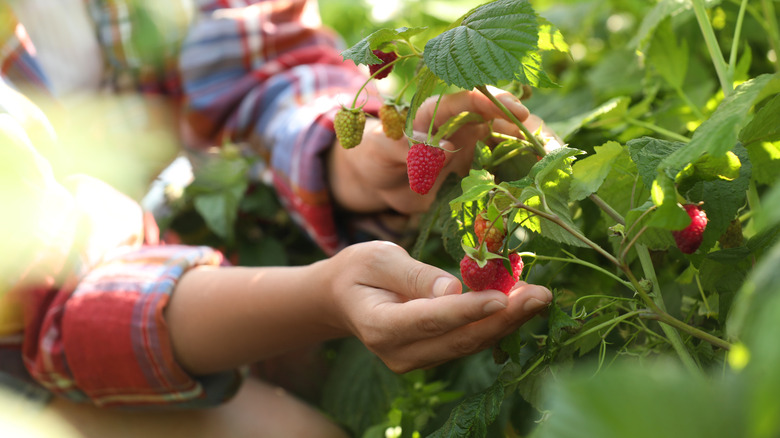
(266, 73)
(97, 332)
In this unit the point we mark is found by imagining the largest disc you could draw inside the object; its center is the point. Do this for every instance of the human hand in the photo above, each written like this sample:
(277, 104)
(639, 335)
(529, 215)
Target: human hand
(372, 176)
(414, 315)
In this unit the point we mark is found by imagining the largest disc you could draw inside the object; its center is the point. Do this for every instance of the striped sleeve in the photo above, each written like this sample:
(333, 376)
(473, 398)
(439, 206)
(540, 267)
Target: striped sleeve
(104, 338)
(266, 73)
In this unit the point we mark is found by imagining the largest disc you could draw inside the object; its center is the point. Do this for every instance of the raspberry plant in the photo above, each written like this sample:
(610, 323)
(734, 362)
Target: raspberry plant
(596, 223)
(642, 340)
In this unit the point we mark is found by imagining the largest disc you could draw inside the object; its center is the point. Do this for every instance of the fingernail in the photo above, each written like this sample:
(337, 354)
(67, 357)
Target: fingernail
(534, 305)
(443, 286)
(493, 306)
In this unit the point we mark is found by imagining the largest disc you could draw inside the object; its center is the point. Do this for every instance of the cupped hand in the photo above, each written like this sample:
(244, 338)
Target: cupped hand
(413, 315)
(371, 177)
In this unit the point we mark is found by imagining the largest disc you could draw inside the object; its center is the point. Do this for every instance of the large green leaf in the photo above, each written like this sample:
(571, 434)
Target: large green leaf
(360, 388)
(362, 52)
(718, 134)
(474, 414)
(764, 126)
(648, 152)
(589, 173)
(489, 46)
(648, 401)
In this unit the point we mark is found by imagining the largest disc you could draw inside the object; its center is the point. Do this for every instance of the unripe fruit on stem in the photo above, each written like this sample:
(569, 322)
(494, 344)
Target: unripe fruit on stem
(349, 125)
(491, 235)
(392, 121)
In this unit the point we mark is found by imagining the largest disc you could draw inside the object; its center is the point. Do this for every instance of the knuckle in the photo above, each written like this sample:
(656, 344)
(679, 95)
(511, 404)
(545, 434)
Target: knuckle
(415, 277)
(428, 325)
(466, 345)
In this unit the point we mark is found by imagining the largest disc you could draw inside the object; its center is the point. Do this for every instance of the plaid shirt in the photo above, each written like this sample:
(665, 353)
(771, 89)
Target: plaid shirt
(86, 312)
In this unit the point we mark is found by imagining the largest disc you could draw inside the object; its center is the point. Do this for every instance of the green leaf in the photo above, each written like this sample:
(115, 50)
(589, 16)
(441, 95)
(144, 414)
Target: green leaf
(765, 157)
(589, 173)
(489, 46)
(718, 134)
(670, 214)
(550, 37)
(722, 200)
(669, 57)
(615, 107)
(648, 153)
(220, 210)
(653, 238)
(556, 161)
(725, 167)
(474, 414)
(532, 73)
(476, 185)
(764, 126)
(754, 321)
(769, 214)
(454, 123)
(647, 400)
(426, 84)
(362, 51)
(359, 388)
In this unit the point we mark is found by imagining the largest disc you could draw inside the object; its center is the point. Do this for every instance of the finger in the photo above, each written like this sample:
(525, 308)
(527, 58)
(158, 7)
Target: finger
(525, 301)
(473, 101)
(397, 272)
(429, 318)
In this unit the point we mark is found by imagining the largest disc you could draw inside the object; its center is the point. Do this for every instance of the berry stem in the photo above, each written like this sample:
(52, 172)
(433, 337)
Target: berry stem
(433, 119)
(735, 40)
(388, 65)
(537, 145)
(578, 262)
(663, 131)
(555, 219)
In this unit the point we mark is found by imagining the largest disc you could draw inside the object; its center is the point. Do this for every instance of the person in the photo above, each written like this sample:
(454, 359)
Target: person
(95, 313)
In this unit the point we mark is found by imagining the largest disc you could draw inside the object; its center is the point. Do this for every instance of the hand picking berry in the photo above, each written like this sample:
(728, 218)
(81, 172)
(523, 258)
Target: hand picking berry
(387, 58)
(423, 164)
(493, 275)
(392, 121)
(689, 238)
(349, 125)
(493, 236)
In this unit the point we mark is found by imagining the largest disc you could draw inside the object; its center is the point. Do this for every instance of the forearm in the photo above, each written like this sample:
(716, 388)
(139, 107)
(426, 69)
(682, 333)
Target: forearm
(220, 318)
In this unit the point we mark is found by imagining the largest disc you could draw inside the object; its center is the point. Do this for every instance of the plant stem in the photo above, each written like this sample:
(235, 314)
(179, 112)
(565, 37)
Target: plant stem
(555, 219)
(712, 46)
(611, 212)
(696, 111)
(658, 129)
(433, 119)
(389, 65)
(538, 147)
(774, 30)
(579, 262)
(612, 321)
(672, 335)
(528, 371)
(735, 42)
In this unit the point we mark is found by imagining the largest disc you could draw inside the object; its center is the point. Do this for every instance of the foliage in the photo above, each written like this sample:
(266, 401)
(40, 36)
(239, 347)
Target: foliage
(641, 340)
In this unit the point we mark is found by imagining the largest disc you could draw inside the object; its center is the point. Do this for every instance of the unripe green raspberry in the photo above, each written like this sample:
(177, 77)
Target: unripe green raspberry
(349, 125)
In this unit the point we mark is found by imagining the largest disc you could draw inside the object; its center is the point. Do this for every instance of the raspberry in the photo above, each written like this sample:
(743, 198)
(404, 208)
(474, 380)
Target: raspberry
(491, 276)
(689, 239)
(387, 58)
(349, 125)
(491, 235)
(392, 121)
(732, 237)
(423, 164)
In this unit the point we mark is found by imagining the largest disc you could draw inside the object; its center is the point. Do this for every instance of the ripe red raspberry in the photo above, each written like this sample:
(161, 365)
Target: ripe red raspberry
(387, 58)
(689, 238)
(423, 164)
(392, 121)
(492, 236)
(349, 125)
(491, 276)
